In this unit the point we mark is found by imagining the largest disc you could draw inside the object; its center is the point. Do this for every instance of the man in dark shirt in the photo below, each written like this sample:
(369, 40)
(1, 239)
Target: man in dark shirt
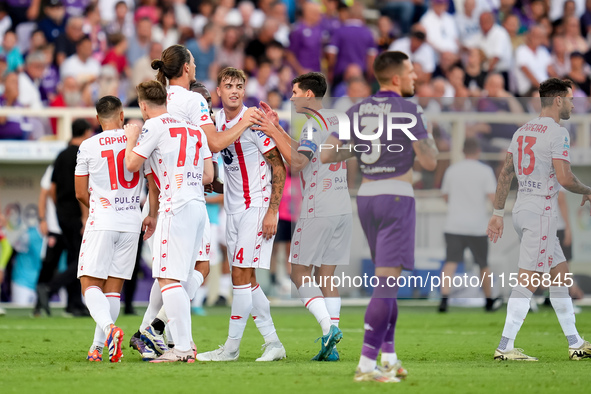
(65, 43)
(71, 219)
(255, 49)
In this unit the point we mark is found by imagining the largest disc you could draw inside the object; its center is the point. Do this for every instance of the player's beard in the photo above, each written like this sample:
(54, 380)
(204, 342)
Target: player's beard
(565, 114)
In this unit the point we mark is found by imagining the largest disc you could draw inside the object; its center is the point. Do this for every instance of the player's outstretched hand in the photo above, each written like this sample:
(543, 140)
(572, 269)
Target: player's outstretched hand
(208, 188)
(495, 228)
(132, 131)
(264, 124)
(270, 113)
(586, 197)
(148, 227)
(269, 225)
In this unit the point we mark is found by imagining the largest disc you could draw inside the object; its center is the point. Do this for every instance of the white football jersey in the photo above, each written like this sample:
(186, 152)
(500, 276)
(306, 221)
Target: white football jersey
(325, 190)
(186, 105)
(114, 191)
(534, 146)
(247, 174)
(176, 151)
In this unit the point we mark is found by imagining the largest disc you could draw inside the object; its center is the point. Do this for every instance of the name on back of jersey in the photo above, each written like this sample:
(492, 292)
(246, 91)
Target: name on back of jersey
(112, 140)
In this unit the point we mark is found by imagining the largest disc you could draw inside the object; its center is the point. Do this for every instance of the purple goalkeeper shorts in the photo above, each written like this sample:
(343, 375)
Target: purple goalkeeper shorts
(389, 225)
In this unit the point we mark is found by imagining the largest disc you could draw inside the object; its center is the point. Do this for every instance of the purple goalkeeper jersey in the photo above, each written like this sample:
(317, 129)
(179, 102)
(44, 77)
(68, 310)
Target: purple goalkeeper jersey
(388, 157)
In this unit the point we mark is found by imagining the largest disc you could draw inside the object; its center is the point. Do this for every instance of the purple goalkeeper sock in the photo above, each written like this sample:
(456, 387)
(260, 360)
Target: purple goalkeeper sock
(377, 319)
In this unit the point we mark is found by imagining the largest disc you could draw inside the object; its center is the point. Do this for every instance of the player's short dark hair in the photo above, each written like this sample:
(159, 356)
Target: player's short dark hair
(108, 107)
(314, 81)
(171, 62)
(231, 73)
(554, 87)
(387, 64)
(471, 146)
(199, 88)
(152, 92)
(79, 127)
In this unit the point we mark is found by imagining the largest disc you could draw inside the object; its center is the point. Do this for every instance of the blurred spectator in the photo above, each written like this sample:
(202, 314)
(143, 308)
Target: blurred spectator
(572, 34)
(70, 94)
(122, 22)
(142, 69)
(468, 22)
(22, 10)
(284, 86)
(71, 219)
(107, 84)
(352, 71)
(511, 25)
(255, 49)
(38, 41)
(53, 24)
(474, 73)
(203, 50)
(205, 14)
(579, 73)
(352, 42)
(5, 21)
(386, 34)
(183, 17)
(557, 7)
(14, 58)
(116, 55)
(166, 32)
(265, 81)
(446, 61)
(508, 7)
(330, 18)
(357, 89)
(586, 20)
(417, 49)
(560, 58)
(305, 40)
(231, 51)
(12, 127)
(94, 29)
(495, 42)
(108, 9)
(440, 26)
(401, 12)
(278, 11)
(81, 65)
(65, 44)
(456, 78)
(139, 44)
(29, 81)
(568, 11)
(532, 61)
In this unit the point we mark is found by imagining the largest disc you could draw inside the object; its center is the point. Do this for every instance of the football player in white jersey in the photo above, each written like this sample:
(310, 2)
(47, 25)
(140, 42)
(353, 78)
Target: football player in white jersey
(254, 181)
(110, 241)
(539, 154)
(322, 237)
(181, 163)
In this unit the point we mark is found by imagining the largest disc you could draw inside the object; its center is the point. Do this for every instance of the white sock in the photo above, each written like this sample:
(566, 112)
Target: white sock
(563, 306)
(366, 364)
(193, 283)
(261, 313)
(312, 298)
(517, 309)
(114, 300)
(178, 308)
(333, 305)
(200, 296)
(154, 306)
(389, 358)
(225, 286)
(162, 315)
(241, 308)
(99, 308)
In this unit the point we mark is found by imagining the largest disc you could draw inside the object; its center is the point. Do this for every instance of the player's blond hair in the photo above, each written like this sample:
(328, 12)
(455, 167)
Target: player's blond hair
(231, 73)
(152, 92)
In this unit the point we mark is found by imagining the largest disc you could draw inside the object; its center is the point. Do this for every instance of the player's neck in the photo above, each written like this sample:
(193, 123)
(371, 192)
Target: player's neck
(391, 88)
(231, 113)
(111, 126)
(155, 112)
(182, 82)
(550, 113)
(315, 105)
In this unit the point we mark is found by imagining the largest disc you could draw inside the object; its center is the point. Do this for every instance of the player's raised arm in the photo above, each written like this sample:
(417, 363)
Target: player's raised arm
(279, 173)
(569, 181)
(426, 152)
(495, 225)
(218, 141)
(133, 161)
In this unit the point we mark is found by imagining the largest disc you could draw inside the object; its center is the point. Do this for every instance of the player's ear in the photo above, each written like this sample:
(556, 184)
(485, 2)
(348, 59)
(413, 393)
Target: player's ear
(217, 90)
(121, 116)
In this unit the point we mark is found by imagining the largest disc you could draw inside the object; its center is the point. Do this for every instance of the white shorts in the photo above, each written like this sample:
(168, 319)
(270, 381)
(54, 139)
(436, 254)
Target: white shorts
(540, 249)
(205, 245)
(244, 236)
(175, 238)
(322, 241)
(107, 253)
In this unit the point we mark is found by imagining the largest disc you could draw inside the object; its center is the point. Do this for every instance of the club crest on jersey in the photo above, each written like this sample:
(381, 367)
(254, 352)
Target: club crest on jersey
(227, 155)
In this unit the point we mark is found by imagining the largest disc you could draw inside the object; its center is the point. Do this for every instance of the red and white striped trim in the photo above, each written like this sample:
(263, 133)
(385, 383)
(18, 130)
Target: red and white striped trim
(256, 287)
(112, 295)
(312, 299)
(168, 287)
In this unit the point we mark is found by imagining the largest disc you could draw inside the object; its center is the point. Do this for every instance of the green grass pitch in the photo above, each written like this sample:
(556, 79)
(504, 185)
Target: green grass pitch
(449, 353)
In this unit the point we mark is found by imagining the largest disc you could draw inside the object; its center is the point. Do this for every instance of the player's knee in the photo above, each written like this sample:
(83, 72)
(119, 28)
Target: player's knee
(203, 268)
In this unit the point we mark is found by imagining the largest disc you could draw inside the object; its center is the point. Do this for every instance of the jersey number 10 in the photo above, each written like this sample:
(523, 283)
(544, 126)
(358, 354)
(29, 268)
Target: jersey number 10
(116, 170)
(527, 150)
